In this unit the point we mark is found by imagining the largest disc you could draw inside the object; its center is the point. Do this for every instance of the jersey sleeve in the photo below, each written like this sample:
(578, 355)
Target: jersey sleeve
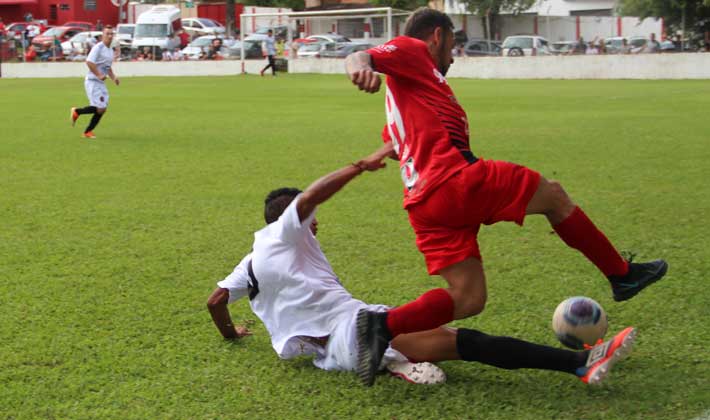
(289, 228)
(238, 281)
(93, 54)
(402, 57)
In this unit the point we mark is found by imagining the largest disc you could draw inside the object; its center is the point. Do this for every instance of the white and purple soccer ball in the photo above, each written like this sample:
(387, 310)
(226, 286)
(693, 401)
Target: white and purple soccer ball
(578, 321)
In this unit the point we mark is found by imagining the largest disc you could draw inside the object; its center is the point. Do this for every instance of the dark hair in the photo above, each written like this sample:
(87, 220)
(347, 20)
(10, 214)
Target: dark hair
(423, 21)
(277, 201)
(108, 27)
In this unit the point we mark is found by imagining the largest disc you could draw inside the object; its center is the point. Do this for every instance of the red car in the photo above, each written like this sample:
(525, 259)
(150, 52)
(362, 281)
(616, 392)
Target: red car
(63, 33)
(86, 26)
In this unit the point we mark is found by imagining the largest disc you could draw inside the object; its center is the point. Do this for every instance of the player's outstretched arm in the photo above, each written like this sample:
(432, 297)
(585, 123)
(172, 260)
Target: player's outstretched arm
(324, 188)
(358, 65)
(217, 305)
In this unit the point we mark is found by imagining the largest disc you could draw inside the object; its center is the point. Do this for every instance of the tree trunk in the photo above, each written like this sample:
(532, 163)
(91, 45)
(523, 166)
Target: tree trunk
(229, 18)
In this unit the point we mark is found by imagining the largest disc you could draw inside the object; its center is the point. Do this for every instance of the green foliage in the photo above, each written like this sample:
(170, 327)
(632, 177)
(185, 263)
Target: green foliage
(400, 4)
(481, 7)
(109, 248)
(697, 12)
(292, 4)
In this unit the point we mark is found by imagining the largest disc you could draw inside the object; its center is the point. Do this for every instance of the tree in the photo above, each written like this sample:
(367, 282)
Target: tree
(489, 10)
(684, 15)
(229, 18)
(400, 4)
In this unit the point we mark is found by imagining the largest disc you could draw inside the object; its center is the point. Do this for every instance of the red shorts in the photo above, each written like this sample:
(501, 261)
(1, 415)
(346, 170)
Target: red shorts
(447, 222)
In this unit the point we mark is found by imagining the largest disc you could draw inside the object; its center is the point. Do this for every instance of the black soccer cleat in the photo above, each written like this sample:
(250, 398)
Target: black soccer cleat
(640, 276)
(373, 339)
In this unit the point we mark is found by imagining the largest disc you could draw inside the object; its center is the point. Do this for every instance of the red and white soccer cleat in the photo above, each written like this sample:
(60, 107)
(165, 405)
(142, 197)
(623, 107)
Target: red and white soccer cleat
(603, 356)
(74, 116)
(417, 373)
(89, 135)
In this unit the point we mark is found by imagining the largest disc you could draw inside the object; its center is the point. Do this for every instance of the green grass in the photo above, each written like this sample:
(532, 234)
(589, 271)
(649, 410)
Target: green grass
(109, 248)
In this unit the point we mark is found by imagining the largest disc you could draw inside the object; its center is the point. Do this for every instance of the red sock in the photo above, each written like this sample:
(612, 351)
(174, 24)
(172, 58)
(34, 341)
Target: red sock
(578, 232)
(431, 310)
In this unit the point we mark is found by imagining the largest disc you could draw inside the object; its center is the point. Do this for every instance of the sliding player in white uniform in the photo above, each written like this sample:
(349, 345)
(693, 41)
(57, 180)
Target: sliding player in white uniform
(293, 290)
(99, 61)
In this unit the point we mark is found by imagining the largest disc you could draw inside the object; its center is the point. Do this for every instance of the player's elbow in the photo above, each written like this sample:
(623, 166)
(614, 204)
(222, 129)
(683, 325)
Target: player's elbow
(219, 297)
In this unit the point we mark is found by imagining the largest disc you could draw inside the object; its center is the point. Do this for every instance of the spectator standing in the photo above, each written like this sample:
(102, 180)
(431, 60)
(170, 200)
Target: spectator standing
(625, 47)
(602, 46)
(184, 38)
(652, 46)
(99, 25)
(270, 51)
(28, 17)
(3, 30)
(56, 49)
(30, 53)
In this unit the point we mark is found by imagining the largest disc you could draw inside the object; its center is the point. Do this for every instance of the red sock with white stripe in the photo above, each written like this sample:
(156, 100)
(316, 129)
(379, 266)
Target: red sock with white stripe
(578, 232)
(431, 310)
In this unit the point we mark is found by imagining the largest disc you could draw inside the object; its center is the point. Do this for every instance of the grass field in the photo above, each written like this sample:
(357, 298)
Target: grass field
(109, 248)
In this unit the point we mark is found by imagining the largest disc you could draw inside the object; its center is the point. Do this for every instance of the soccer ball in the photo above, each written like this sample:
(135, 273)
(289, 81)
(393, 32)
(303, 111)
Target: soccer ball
(578, 321)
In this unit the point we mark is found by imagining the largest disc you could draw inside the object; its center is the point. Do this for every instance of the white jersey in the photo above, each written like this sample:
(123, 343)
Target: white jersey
(102, 56)
(294, 290)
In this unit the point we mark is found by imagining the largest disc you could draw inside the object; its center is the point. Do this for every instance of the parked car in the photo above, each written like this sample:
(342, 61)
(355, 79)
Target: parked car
(62, 33)
(614, 45)
(343, 49)
(15, 29)
(124, 33)
(637, 43)
(481, 48)
(520, 45)
(202, 26)
(328, 38)
(310, 50)
(252, 49)
(80, 42)
(280, 31)
(86, 26)
(201, 45)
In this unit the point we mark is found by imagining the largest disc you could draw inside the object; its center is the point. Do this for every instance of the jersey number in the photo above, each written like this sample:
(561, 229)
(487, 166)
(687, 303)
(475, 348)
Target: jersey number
(395, 127)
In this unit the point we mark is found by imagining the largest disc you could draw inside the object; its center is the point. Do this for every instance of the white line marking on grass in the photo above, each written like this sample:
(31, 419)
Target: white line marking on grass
(704, 416)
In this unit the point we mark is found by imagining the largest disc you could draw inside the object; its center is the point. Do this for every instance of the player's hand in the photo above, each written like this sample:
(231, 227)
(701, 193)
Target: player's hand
(103, 77)
(376, 160)
(241, 331)
(116, 81)
(366, 79)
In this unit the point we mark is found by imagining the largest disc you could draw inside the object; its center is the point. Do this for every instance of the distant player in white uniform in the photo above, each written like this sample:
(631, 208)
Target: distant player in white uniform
(99, 61)
(292, 288)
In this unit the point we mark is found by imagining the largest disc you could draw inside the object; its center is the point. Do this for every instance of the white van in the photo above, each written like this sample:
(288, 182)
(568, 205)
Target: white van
(158, 28)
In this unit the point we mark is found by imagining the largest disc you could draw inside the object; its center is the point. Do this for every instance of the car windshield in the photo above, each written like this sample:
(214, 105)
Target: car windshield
(522, 42)
(78, 38)
(151, 30)
(53, 32)
(126, 30)
(207, 23)
(638, 42)
(201, 42)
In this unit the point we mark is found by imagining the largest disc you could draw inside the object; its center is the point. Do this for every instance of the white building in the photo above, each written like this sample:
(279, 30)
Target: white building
(573, 8)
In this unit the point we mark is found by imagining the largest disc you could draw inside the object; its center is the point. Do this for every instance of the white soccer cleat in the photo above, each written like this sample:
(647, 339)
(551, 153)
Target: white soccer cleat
(417, 373)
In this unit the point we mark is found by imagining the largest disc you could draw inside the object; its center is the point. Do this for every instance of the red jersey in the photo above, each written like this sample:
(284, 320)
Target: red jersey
(427, 126)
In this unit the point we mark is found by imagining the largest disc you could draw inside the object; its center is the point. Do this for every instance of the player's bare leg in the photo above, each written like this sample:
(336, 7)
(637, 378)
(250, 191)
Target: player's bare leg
(579, 232)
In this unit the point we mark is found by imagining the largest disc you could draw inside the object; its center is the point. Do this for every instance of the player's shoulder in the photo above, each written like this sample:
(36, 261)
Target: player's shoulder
(403, 43)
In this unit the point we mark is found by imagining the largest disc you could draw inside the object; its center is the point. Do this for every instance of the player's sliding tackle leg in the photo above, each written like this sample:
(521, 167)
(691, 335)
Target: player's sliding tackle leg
(591, 366)
(579, 232)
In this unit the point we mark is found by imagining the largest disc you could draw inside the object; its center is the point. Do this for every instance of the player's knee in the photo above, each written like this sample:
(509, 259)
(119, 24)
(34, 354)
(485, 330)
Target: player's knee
(561, 203)
(467, 306)
(101, 110)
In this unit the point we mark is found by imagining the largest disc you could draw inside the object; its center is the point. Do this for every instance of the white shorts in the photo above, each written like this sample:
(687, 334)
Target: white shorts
(97, 93)
(341, 350)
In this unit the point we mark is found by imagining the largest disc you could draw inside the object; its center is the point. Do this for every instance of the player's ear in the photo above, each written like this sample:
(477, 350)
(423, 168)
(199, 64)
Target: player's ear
(437, 35)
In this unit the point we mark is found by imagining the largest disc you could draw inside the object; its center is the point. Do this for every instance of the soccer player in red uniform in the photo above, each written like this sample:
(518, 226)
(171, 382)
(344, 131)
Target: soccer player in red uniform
(449, 192)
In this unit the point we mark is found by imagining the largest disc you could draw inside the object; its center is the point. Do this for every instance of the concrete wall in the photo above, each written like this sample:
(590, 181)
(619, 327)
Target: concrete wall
(132, 69)
(647, 66)
(658, 66)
